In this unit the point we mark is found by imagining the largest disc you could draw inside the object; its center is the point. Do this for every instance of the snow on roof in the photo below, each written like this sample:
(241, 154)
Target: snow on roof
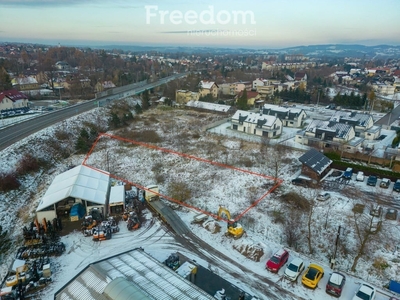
(117, 194)
(208, 106)
(25, 80)
(80, 182)
(352, 117)
(206, 84)
(315, 160)
(329, 126)
(13, 95)
(251, 117)
(158, 281)
(282, 109)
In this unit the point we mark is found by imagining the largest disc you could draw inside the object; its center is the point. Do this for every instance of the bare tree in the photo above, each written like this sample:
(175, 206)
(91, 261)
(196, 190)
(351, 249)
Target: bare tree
(291, 227)
(367, 229)
(274, 162)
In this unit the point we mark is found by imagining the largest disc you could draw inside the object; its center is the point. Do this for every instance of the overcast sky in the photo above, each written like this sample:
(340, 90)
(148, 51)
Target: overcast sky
(250, 24)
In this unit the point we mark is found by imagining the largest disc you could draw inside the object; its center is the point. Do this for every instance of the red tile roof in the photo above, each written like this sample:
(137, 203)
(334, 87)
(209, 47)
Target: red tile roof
(13, 95)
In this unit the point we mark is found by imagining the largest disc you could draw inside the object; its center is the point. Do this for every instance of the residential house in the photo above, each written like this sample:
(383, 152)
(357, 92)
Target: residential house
(62, 65)
(259, 82)
(252, 97)
(290, 116)
(227, 89)
(12, 99)
(383, 88)
(105, 85)
(25, 83)
(361, 123)
(314, 164)
(322, 134)
(207, 106)
(265, 90)
(208, 87)
(184, 96)
(300, 76)
(256, 123)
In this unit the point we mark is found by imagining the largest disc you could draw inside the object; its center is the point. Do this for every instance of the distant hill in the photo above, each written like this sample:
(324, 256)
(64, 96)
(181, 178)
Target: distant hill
(337, 50)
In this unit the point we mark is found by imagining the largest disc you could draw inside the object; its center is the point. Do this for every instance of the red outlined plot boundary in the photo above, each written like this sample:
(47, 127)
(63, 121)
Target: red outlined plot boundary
(277, 181)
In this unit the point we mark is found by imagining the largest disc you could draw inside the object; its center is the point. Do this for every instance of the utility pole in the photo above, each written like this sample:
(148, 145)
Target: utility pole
(336, 245)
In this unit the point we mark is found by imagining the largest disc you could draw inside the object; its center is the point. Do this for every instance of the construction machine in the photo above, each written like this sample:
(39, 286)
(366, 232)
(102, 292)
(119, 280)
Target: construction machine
(133, 221)
(234, 228)
(87, 225)
(173, 261)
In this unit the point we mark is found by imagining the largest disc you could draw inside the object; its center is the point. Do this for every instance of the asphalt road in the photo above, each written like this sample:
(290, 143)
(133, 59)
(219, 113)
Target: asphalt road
(14, 133)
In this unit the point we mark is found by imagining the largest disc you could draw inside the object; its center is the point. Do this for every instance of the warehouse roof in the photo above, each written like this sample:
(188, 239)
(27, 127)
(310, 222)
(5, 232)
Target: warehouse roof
(142, 273)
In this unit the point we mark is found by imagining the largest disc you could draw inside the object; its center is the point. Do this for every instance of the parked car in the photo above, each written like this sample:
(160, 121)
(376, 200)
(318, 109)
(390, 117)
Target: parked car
(301, 181)
(294, 269)
(312, 276)
(360, 176)
(348, 173)
(365, 292)
(323, 196)
(277, 260)
(396, 186)
(372, 180)
(335, 284)
(385, 183)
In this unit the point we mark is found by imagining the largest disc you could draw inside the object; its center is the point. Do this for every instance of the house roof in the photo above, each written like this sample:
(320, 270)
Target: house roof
(208, 106)
(207, 84)
(25, 80)
(282, 112)
(140, 270)
(352, 118)
(255, 118)
(315, 160)
(341, 130)
(80, 182)
(13, 95)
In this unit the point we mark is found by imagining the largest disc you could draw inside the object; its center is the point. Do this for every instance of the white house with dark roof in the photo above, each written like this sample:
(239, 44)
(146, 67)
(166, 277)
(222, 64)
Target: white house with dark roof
(290, 116)
(256, 123)
(326, 134)
(362, 123)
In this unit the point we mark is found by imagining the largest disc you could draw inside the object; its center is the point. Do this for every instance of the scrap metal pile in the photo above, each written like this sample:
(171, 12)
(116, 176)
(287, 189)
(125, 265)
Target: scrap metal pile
(31, 269)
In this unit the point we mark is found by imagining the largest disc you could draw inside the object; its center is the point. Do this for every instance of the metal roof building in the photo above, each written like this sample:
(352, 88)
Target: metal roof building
(130, 275)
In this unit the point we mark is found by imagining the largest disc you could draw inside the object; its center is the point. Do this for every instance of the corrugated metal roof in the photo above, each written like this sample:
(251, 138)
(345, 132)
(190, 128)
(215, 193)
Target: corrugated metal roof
(138, 268)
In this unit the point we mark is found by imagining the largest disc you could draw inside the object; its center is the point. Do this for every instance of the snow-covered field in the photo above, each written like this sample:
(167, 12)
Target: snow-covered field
(211, 186)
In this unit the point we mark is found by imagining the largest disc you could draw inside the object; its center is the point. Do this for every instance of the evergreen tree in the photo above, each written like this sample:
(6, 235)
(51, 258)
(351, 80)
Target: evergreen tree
(242, 101)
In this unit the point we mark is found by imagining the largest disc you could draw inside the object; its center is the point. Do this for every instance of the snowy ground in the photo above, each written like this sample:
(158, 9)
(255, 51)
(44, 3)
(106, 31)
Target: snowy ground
(259, 224)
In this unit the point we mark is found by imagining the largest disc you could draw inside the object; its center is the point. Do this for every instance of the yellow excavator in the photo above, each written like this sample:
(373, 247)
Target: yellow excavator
(234, 228)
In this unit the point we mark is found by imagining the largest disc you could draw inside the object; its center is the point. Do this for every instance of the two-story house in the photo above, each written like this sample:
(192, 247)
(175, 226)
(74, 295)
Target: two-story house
(363, 123)
(208, 87)
(290, 116)
(12, 99)
(256, 123)
(326, 134)
(259, 82)
(25, 83)
(184, 96)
